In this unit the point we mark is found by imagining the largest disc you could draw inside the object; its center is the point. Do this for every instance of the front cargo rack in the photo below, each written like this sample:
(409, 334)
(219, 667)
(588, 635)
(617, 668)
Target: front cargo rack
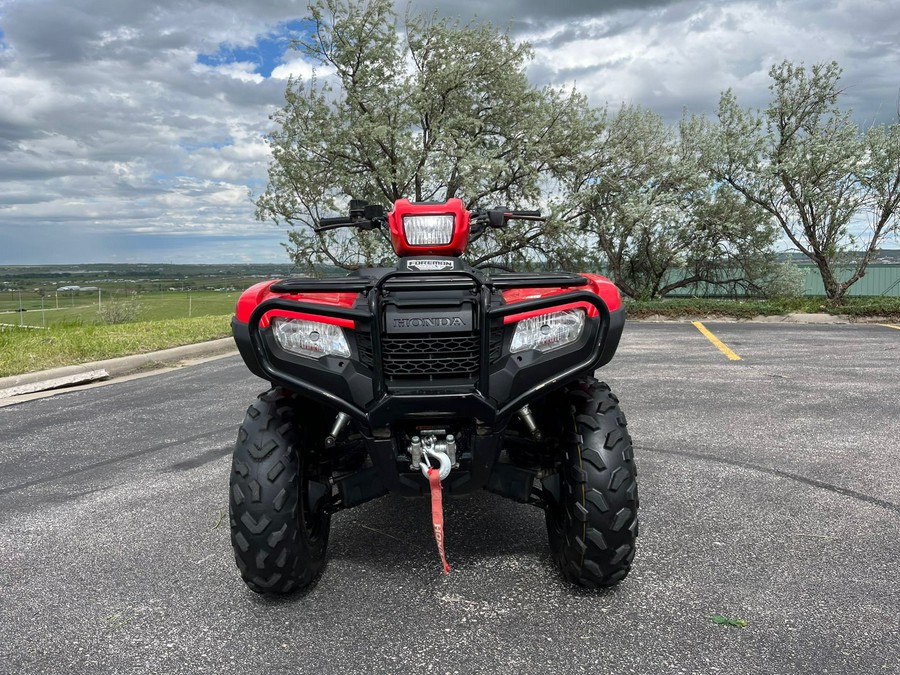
(536, 280)
(353, 284)
(333, 284)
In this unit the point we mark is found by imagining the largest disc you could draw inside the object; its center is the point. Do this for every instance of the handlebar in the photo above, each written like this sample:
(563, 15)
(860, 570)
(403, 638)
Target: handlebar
(342, 221)
(523, 215)
(498, 216)
(334, 222)
(480, 219)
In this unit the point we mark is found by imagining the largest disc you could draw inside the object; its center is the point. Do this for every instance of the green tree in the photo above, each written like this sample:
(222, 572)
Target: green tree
(655, 219)
(443, 110)
(833, 188)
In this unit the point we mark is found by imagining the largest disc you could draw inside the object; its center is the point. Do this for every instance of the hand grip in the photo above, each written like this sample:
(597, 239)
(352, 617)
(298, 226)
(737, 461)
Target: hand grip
(333, 222)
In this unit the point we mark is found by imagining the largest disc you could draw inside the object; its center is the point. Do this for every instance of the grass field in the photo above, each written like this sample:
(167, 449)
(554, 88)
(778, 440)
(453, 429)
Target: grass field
(26, 350)
(77, 331)
(84, 308)
(131, 309)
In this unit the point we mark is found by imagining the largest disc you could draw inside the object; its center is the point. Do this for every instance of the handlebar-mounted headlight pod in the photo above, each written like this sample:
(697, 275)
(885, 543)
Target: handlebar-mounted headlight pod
(425, 228)
(428, 230)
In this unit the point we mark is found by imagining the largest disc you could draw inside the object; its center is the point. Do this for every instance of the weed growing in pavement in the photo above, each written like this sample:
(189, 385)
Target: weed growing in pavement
(720, 620)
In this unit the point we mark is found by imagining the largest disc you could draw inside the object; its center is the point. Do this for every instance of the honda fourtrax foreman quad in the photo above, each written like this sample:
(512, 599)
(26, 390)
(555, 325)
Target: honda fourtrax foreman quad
(430, 377)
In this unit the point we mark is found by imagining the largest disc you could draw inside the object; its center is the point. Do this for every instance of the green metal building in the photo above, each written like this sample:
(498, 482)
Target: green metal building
(880, 279)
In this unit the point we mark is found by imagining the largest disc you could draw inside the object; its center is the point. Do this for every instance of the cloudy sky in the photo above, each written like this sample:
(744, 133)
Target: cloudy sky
(134, 131)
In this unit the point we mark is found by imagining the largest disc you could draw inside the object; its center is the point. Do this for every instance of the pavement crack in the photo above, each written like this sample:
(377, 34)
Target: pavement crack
(767, 373)
(812, 482)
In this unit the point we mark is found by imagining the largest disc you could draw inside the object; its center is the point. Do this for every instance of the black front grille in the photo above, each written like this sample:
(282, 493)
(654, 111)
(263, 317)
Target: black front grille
(430, 357)
(452, 356)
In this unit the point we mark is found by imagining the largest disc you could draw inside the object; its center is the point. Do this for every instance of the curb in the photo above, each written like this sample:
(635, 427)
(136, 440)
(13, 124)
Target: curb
(797, 317)
(122, 365)
(803, 318)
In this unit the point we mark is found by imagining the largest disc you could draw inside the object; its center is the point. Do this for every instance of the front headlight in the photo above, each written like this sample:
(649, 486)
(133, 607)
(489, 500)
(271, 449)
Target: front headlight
(310, 338)
(548, 331)
(428, 230)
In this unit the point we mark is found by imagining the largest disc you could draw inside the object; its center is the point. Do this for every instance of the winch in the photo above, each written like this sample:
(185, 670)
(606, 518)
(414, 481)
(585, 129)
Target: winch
(423, 449)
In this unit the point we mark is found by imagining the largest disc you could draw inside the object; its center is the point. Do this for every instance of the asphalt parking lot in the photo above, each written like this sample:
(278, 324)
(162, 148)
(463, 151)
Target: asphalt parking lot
(770, 492)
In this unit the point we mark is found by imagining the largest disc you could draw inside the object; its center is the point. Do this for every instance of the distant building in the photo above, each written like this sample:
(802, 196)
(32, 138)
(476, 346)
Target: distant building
(77, 289)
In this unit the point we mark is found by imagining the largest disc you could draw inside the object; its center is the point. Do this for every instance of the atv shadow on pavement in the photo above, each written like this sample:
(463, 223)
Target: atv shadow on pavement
(396, 532)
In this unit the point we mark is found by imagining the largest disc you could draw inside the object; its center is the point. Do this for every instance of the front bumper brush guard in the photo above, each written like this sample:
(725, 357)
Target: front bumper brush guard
(477, 404)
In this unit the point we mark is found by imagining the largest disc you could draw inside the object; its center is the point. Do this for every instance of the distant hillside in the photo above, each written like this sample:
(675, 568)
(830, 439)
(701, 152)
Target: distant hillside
(44, 279)
(888, 256)
(98, 271)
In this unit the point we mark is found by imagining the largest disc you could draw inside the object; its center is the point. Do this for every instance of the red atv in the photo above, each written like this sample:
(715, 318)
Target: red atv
(430, 377)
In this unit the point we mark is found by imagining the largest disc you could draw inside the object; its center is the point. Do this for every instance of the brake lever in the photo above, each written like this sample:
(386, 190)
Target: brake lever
(361, 224)
(534, 218)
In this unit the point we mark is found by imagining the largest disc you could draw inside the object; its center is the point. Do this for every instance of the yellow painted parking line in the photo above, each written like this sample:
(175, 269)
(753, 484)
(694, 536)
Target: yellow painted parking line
(887, 325)
(716, 341)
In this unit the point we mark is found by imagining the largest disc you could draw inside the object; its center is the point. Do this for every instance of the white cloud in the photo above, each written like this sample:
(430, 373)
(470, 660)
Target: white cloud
(299, 67)
(686, 54)
(110, 124)
(239, 70)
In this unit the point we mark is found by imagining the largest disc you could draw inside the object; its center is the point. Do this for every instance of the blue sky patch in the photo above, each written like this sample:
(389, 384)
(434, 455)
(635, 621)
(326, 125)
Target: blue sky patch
(267, 53)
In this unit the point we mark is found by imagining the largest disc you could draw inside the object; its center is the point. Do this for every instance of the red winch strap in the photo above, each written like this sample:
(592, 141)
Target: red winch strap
(437, 514)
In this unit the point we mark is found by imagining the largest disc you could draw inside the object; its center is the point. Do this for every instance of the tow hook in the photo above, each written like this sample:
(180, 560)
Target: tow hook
(431, 450)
